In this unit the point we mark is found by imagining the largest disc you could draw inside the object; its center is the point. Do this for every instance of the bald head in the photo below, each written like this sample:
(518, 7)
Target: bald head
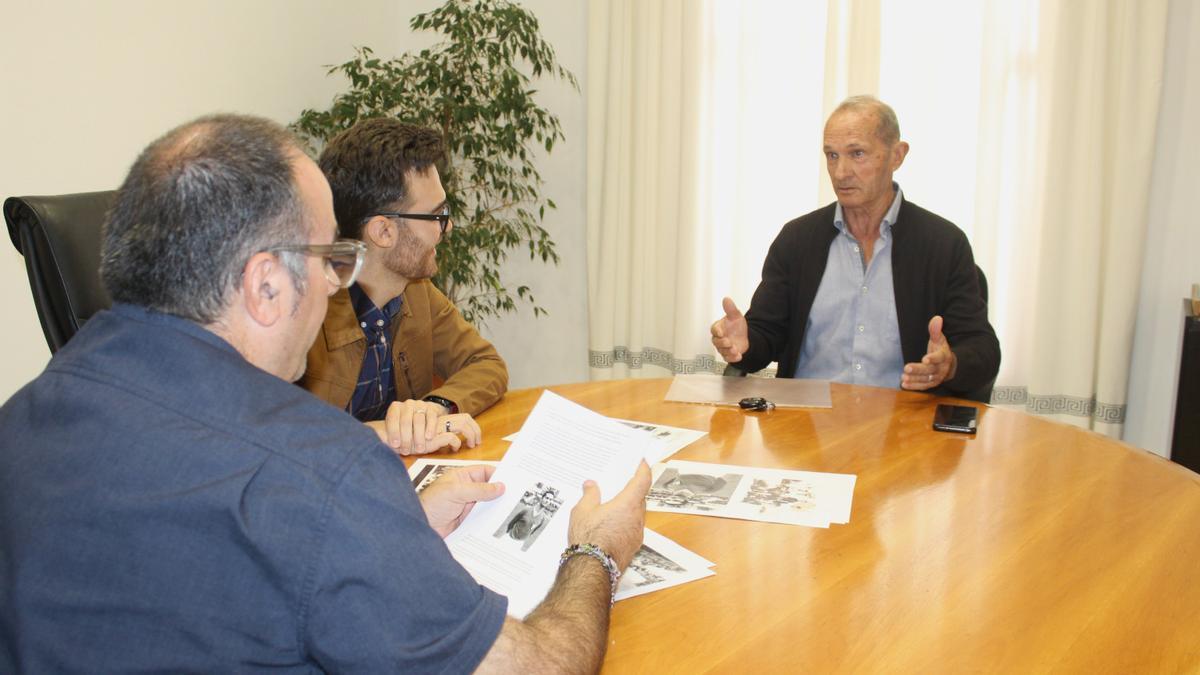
(887, 127)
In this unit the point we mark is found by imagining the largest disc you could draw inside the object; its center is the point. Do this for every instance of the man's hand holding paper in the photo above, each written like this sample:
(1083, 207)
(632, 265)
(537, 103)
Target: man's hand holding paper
(566, 461)
(449, 499)
(617, 525)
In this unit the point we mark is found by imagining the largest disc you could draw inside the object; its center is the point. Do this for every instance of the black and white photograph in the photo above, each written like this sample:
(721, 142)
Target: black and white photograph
(425, 471)
(429, 474)
(695, 491)
(661, 563)
(530, 516)
(809, 498)
(786, 493)
(649, 567)
(653, 429)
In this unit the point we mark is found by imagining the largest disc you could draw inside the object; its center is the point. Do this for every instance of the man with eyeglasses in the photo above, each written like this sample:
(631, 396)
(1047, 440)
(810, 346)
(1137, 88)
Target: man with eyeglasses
(394, 351)
(170, 502)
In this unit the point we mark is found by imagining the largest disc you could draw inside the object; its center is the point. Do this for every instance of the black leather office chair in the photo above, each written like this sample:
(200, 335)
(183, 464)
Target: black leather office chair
(982, 394)
(60, 239)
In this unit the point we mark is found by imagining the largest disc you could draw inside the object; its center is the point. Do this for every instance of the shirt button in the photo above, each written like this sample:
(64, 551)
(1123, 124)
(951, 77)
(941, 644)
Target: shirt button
(864, 290)
(379, 322)
(861, 328)
(363, 324)
(856, 249)
(858, 366)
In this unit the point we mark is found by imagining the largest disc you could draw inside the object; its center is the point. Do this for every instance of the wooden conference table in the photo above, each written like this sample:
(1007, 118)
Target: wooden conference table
(1031, 547)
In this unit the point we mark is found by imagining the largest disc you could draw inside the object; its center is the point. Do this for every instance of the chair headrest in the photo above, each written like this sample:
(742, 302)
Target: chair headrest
(60, 237)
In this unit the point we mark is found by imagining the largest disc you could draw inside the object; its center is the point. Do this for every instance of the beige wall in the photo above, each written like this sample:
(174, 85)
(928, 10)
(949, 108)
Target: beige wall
(553, 348)
(87, 84)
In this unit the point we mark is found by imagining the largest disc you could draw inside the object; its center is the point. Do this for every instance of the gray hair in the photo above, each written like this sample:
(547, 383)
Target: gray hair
(888, 129)
(196, 205)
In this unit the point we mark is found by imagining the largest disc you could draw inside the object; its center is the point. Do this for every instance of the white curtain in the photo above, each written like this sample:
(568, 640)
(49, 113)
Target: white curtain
(675, 175)
(1070, 103)
(1031, 125)
(647, 74)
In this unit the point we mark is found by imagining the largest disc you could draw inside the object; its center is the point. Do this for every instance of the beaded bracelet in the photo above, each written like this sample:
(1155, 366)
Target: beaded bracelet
(598, 553)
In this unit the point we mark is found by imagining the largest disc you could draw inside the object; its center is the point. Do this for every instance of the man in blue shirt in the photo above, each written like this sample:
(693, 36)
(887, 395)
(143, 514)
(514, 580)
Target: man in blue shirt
(872, 289)
(170, 502)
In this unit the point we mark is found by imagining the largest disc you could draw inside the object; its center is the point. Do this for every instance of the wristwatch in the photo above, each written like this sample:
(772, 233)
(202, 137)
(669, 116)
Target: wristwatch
(444, 402)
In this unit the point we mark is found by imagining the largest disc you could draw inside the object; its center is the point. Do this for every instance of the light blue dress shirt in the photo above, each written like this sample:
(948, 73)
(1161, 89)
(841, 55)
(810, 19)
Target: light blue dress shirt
(852, 334)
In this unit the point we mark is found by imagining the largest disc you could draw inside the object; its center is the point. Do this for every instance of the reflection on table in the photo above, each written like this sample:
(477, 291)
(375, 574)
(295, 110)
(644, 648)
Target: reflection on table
(1031, 546)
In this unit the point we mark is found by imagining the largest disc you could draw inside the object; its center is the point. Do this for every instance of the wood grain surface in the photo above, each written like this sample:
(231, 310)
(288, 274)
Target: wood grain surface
(1031, 547)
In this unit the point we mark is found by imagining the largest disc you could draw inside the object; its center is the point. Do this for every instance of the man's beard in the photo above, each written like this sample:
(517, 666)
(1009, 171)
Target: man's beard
(410, 257)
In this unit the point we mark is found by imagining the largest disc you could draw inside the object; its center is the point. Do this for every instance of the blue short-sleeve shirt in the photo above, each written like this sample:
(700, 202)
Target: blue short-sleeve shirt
(165, 505)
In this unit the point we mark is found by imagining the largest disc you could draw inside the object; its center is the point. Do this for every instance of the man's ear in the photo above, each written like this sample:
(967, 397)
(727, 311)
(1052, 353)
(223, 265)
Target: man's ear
(380, 231)
(263, 281)
(899, 152)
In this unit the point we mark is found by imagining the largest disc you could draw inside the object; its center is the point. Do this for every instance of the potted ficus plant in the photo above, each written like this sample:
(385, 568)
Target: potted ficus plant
(475, 86)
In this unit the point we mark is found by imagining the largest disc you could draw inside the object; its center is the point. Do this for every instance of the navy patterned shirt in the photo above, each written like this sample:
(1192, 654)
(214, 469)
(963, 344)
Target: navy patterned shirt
(376, 388)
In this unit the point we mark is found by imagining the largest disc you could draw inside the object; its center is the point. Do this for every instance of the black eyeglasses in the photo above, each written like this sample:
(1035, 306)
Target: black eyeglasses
(442, 217)
(343, 258)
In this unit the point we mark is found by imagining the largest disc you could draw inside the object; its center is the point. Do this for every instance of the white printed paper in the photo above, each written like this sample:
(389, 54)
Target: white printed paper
(666, 440)
(660, 563)
(772, 495)
(512, 544)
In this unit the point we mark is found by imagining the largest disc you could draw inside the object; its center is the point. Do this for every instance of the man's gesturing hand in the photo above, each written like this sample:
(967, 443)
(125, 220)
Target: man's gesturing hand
(937, 366)
(730, 335)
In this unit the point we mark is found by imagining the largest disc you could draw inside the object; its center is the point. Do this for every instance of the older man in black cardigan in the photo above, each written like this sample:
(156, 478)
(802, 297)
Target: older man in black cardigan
(871, 289)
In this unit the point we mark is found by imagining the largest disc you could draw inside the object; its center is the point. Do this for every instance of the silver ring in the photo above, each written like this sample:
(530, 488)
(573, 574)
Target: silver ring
(930, 378)
(447, 425)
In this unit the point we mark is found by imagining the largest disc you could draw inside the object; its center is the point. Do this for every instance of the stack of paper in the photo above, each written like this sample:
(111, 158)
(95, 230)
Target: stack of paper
(512, 544)
(660, 562)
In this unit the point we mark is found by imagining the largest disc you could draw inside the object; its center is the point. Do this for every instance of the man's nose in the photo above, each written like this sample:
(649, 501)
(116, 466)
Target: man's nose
(841, 168)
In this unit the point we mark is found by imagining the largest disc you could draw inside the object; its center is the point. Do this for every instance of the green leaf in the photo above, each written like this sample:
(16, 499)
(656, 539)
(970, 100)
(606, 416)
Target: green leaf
(474, 86)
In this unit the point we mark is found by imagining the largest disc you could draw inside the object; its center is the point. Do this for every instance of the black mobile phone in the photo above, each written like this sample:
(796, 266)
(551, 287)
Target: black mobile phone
(960, 418)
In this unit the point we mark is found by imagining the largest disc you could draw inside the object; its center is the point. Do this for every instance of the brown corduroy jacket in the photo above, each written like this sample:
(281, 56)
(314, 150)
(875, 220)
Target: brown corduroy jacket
(430, 339)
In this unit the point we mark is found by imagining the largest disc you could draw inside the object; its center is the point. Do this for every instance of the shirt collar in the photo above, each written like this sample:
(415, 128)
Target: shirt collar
(147, 315)
(368, 313)
(889, 218)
